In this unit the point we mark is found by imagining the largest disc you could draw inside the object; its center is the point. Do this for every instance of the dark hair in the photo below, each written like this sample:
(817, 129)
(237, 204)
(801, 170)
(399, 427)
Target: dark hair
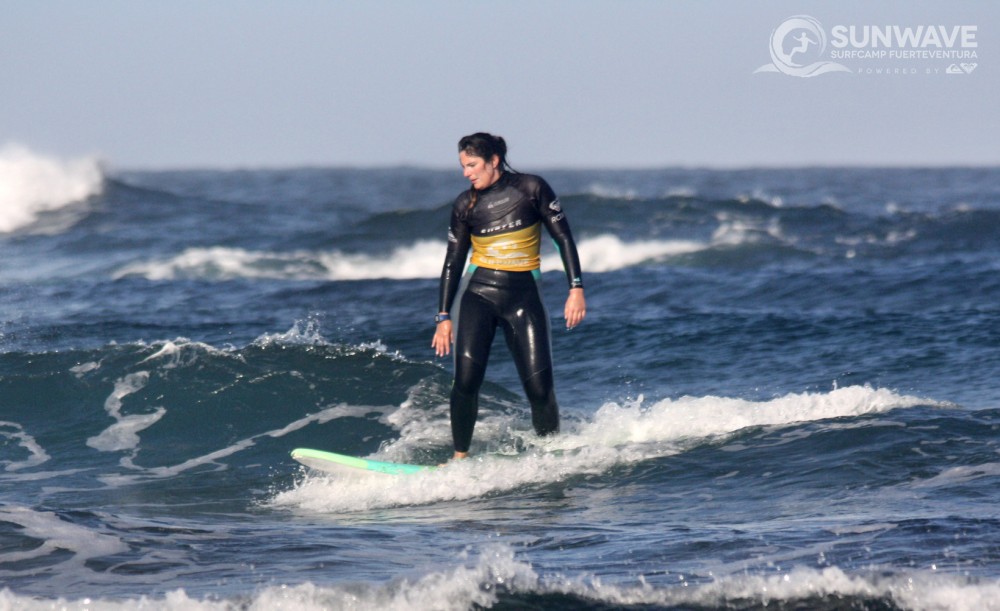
(484, 145)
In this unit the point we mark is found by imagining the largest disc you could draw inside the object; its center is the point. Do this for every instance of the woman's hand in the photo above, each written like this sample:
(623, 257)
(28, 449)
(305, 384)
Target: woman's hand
(576, 308)
(442, 338)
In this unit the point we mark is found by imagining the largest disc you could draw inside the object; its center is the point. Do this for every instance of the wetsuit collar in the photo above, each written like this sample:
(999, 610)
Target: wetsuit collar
(500, 181)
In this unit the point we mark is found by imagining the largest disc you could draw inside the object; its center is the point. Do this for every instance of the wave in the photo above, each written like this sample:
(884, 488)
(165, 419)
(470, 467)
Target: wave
(177, 408)
(422, 259)
(143, 404)
(225, 263)
(162, 233)
(733, 238)
(497, 578)
(616, 435)
(616, 235)
(36, 455)
(226, 418)
(37, 192)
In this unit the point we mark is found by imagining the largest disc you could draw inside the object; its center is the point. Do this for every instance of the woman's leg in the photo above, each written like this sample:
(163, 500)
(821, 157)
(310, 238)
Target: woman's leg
(475, 332)
(526, 329)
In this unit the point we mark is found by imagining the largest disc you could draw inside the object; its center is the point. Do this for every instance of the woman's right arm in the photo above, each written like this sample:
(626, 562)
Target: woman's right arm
(459, 242)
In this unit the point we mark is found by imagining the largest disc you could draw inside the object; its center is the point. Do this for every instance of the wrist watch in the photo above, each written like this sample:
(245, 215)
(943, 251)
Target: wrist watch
(441, 317)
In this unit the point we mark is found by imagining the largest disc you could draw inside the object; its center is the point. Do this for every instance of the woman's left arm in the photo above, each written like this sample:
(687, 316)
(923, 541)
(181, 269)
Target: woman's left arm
(558, 227)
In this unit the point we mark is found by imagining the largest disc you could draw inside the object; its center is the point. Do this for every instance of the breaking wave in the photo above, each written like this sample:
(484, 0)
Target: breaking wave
(37, 192)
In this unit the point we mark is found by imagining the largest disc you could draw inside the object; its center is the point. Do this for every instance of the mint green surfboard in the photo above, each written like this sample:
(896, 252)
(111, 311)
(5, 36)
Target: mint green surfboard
(331, 462)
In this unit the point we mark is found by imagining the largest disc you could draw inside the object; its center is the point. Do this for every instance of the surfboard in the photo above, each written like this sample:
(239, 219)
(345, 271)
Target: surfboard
(332, 462)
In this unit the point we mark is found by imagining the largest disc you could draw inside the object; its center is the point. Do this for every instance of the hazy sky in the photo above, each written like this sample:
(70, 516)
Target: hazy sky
(584, 83)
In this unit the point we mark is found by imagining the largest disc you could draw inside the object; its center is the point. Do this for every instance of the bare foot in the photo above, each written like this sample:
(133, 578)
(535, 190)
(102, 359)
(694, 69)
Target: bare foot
(457, 456)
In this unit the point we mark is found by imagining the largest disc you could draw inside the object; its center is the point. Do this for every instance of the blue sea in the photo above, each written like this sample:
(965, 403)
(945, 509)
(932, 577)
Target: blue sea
(784, 396)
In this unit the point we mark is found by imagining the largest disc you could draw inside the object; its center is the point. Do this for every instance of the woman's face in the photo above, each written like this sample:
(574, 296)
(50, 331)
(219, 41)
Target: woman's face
(481, 173)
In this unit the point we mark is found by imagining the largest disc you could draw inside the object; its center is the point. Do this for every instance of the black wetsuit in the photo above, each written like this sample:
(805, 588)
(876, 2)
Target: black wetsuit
(500, 288)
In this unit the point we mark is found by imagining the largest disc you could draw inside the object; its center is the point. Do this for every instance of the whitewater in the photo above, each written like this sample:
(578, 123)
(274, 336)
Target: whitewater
(783, 396)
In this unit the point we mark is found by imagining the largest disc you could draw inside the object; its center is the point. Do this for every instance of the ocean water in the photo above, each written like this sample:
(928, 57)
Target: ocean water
(784, 395)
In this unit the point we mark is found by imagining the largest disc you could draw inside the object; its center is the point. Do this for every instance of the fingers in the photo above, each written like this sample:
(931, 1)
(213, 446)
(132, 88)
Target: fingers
(441, 345)
(576, 308)
(574, 318)
(442, 339)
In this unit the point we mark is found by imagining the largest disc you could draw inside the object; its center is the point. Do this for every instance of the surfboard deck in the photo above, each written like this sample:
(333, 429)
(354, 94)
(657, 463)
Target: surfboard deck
(331, 462)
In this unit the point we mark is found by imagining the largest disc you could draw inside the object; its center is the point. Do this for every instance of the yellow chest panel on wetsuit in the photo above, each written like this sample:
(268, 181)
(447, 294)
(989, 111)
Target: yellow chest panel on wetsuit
(513, 251)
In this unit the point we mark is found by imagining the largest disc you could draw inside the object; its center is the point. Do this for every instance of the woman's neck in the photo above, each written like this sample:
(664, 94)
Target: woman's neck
(494, 183)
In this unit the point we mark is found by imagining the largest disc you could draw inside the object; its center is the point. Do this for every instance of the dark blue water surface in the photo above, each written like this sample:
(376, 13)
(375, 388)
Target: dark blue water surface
(784, 395)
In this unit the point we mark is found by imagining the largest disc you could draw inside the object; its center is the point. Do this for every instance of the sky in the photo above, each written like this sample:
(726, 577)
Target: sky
(173, 84)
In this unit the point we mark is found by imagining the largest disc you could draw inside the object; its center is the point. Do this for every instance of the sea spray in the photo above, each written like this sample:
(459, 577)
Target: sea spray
(32, 185)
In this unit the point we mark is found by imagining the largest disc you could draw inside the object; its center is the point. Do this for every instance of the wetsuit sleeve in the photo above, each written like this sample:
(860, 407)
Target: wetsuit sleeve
(459, 241)
(558, 227)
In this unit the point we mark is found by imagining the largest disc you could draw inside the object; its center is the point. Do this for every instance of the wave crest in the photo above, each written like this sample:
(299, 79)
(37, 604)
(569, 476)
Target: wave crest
(32, 185)
(422, 259)
(617, 435)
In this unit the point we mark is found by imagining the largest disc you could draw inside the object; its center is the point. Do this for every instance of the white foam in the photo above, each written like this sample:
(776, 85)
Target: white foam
(307, 333)
(617, 434)
(762, 196)
(739, 231)
(36, 453)
(302, 333)
(85, 368)
(32, 184)
(419, 425)
(124, 433)
(699, 417)
(611, 192)
(453, 589)
(170, 351)
(963, 474)
(914, 590)
(606, 253)
(681, 191)
(421, 259)
(181, 352)
(212, 458)
(481, 581)
(56, 534)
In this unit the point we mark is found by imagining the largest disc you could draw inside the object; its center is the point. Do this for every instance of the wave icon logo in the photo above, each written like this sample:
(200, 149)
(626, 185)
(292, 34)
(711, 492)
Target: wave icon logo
(797, 47)
(963, 68)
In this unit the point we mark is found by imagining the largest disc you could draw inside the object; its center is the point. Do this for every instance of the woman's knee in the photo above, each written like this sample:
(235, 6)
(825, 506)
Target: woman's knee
(542, 397)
